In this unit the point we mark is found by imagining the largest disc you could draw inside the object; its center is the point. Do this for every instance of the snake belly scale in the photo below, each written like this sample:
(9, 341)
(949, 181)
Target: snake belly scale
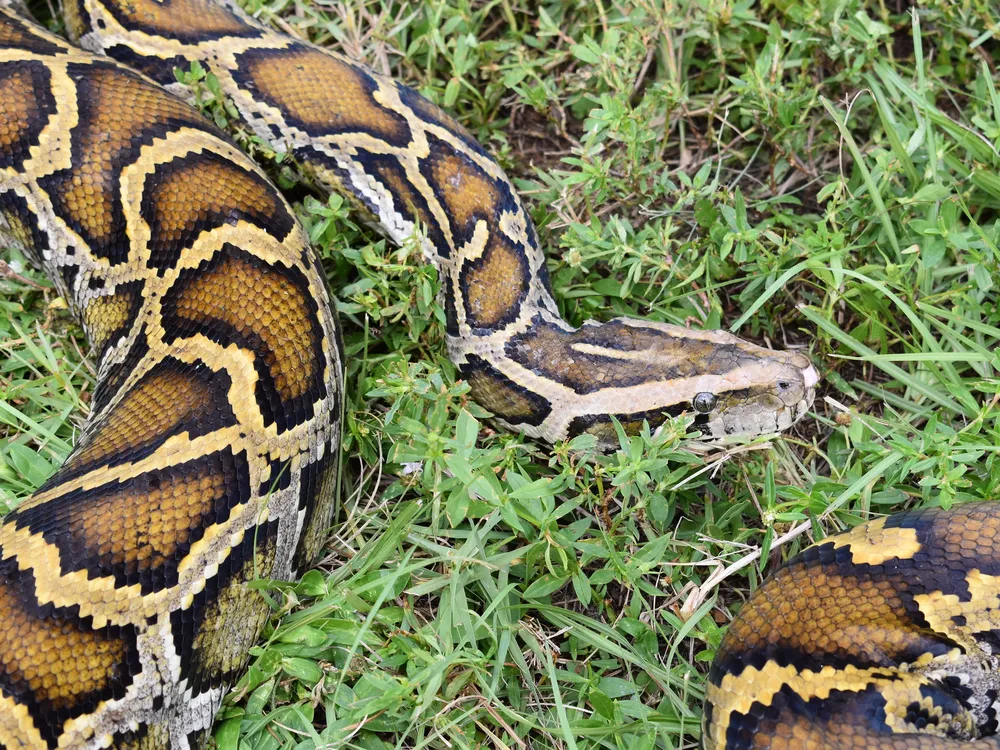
(210, 453)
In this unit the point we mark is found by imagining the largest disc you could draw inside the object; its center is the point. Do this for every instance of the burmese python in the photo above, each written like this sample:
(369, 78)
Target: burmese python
(212, 444)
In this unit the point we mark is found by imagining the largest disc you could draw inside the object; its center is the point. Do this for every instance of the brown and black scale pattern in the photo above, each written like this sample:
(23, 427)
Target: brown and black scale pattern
(123, 579)
(887, 636)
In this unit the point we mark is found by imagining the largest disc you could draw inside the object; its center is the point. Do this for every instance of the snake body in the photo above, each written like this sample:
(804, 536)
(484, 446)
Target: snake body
(211, 449)
(886, 636)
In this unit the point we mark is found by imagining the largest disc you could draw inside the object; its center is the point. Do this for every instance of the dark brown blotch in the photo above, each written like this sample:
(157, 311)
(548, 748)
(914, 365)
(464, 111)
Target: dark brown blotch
(495, 285)
(602, 426)
(53, 661)
(506, 399)
(318, 92)
(214, 634)
(173, 398)
(186, 21)
(118, 374)
(160, 69)
(26, 104)
(466, 193)
(139, 530)
(200, 192)
(318, 498)
(237, 298)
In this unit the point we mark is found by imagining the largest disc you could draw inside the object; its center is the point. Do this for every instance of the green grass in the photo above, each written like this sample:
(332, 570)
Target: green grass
(813, 174)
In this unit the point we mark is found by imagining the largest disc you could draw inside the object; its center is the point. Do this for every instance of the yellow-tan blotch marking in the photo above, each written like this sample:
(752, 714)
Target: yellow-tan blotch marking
(979, 611)
(901, 691)
(17, 728)
(872, 544)
(103, 316)
(768, 681)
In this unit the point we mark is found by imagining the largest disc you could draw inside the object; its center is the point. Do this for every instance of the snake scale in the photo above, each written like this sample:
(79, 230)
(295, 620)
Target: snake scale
(211, 449)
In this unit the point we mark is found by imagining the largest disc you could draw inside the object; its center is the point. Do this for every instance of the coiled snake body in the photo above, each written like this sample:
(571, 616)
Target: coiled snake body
(210, 453)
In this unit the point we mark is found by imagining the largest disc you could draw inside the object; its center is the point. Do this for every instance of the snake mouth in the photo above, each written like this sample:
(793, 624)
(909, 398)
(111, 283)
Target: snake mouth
(810, 379)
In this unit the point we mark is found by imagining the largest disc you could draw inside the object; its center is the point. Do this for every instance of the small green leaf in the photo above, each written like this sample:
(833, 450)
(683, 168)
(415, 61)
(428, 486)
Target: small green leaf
(615, 687)
(304, 635)
(545, 585)
(602, 704)
(580, 52)
(931, 193)
(227, 734)
(29, 463)
(303, 669)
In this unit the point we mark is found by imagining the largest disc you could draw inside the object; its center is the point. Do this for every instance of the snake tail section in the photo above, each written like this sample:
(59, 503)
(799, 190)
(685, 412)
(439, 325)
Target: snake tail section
(886, 637)
(413, 168)
(209, 455)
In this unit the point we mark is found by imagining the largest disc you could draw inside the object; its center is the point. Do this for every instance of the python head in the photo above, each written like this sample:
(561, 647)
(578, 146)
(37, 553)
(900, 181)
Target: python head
(556, 382)
(768, 392)
(731, 386)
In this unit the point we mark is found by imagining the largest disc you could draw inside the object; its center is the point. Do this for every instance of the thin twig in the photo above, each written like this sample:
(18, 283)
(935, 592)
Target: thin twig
(9, 273)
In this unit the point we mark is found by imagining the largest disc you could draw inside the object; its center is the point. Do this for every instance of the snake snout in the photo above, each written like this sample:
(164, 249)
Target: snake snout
(769, 393)
(795, 385)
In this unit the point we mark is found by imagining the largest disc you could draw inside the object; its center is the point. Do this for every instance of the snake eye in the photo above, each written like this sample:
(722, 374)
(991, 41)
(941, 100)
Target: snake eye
(704, 402)
(784, 385)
